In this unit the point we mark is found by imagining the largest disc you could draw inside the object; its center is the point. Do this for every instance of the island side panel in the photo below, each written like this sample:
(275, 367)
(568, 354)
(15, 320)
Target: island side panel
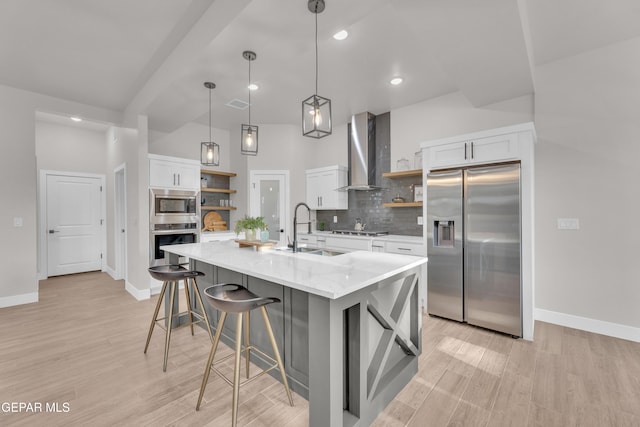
(363, 349)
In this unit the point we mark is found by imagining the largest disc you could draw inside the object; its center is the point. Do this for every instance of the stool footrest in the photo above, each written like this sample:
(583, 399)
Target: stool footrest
(262, 372)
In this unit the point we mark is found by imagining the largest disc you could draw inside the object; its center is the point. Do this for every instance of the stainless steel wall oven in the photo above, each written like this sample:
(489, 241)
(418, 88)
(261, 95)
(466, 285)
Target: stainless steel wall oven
(174, 218)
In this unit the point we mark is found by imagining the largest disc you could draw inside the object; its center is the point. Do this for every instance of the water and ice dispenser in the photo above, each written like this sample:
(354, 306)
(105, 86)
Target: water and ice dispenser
(443, 233)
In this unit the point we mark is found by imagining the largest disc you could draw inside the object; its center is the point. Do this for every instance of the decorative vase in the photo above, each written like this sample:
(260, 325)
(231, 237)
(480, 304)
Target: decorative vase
(250, 234)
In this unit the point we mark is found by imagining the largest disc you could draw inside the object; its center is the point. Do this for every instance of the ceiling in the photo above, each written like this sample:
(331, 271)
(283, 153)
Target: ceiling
(153, 56)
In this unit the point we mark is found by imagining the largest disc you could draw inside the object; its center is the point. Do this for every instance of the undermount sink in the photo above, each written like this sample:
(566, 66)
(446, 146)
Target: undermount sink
(316, 251)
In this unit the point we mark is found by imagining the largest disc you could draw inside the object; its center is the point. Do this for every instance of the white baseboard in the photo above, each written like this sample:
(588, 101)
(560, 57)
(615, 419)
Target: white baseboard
(18, 299)
(591, 325)
(137, 293)
(111, 272)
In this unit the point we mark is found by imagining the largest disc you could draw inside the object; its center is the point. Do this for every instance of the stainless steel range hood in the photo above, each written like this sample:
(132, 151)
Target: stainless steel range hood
(362, 153)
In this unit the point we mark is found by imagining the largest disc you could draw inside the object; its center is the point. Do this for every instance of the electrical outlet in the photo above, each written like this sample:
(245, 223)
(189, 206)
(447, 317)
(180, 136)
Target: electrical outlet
(335, 219)
(17, 221)
(568, 224)
(420, 220)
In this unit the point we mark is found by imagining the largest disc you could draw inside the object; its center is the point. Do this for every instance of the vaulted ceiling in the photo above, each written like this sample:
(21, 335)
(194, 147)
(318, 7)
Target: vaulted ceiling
(152, 56)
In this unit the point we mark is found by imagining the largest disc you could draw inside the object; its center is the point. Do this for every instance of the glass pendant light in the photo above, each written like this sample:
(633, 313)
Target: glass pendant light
(249, 133)
(210, 151)
(316, 110)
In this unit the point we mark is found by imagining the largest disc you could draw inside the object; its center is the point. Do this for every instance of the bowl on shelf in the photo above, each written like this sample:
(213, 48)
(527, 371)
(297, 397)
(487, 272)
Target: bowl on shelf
(398, 199)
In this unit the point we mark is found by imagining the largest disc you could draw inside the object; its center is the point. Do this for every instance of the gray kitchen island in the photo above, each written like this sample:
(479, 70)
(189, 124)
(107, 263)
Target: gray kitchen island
(348, 327)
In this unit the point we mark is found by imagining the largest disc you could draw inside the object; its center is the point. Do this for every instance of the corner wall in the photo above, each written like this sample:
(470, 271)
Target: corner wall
(586, 158)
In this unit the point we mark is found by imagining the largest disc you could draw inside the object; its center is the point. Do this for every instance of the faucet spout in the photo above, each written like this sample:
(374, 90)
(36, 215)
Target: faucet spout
(295, 224)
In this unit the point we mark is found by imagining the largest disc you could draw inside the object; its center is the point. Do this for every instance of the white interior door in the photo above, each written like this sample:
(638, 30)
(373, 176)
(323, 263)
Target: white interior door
(73, 208)
(269, 198)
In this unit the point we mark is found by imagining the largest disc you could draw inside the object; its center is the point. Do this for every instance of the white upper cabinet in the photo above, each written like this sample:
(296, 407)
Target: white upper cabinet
(172, 172)
(473, 151)
(322, 188)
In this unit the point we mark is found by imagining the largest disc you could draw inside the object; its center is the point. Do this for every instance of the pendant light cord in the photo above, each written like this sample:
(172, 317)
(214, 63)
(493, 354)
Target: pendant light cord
(210, 115)
(248, 87)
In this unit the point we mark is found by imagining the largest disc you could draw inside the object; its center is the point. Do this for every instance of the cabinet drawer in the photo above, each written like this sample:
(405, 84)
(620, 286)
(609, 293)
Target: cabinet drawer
(349, 244)
(307, 240)
(405, 248)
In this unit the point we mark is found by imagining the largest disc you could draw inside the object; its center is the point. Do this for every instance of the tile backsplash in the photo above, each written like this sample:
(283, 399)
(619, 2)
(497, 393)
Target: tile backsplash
(367, 205)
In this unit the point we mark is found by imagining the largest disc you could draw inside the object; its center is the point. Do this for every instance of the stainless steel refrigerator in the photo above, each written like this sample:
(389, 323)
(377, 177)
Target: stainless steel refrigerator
(474, 250)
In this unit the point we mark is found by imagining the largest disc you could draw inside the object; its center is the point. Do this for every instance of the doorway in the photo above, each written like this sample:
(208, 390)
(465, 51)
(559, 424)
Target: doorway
(71, 222)
(269, 198)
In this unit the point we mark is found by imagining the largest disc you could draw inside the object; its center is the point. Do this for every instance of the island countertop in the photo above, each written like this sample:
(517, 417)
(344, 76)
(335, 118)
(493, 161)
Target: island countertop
(328, 276)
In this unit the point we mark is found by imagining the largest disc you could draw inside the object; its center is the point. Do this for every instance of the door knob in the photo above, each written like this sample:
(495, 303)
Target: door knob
(282, 230)
(53, 231)
(122, 230)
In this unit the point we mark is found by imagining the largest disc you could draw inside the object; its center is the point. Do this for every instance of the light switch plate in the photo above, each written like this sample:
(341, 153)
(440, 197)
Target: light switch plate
(17, 221)
(568, 224)
(335, 219)
(420, 220)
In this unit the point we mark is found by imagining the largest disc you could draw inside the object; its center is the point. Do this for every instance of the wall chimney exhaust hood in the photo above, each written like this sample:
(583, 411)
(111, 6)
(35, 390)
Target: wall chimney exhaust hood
(362, 153)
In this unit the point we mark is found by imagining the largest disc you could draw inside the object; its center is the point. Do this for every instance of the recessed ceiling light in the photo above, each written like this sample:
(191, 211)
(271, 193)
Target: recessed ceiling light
(75, 118)
(341, 35)
(253, 86)
(396, 81)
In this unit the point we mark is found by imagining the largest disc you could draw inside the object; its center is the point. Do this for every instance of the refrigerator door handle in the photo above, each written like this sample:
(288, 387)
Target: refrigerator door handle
(465, 151)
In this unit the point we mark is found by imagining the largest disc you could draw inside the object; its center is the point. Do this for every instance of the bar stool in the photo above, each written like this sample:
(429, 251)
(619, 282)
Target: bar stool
(232, 298)
(171, 275)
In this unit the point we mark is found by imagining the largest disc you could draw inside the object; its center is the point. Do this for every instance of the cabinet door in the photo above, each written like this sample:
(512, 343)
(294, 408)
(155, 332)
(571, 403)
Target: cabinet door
(188, 176)
(500, 147)
(322, 189)
(448, 155)
(314, 185)
(161, 174)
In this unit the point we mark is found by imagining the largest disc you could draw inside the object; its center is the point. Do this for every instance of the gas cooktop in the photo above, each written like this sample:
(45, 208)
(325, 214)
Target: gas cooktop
(360, 233)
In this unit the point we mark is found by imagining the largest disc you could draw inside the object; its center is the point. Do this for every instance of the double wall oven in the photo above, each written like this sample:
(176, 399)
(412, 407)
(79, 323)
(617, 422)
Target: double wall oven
(174, 218)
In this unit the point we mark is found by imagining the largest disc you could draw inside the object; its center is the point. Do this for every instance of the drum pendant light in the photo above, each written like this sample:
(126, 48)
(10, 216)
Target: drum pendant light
(249, 133)
(210, 151)
(316, 110)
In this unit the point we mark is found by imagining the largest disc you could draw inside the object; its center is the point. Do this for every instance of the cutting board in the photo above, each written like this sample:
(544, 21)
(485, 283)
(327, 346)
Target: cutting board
(260, 246)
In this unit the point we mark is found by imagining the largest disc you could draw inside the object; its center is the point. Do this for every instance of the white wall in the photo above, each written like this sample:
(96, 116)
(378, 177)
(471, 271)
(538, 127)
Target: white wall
(122, 150)
(69, 148)
(185, 143)
(18, 175)
(587, 113)
(450, 115)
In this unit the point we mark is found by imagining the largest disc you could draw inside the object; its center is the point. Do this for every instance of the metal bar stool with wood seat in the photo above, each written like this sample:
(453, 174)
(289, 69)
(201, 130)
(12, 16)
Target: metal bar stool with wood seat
(232, 298)
(171, 275)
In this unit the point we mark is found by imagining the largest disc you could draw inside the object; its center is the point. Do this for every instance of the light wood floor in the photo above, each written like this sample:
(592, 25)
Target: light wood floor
(82, 345)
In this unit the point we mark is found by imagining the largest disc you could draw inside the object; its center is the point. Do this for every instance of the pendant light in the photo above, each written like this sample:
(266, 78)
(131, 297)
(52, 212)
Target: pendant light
(316, 110)
(210, 151)
(249, 133)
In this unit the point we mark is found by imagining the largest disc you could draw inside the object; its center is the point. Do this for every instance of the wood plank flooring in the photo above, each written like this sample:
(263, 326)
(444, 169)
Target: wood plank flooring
(81, 345)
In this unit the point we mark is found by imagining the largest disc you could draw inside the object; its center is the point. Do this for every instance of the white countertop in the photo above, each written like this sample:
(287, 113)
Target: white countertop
(328, 276)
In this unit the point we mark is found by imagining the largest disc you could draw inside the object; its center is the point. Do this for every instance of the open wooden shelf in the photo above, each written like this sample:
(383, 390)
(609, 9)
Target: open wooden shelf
(402, 174)
(217, 190)
(218, 173)
(403, 205)
(218, 208)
